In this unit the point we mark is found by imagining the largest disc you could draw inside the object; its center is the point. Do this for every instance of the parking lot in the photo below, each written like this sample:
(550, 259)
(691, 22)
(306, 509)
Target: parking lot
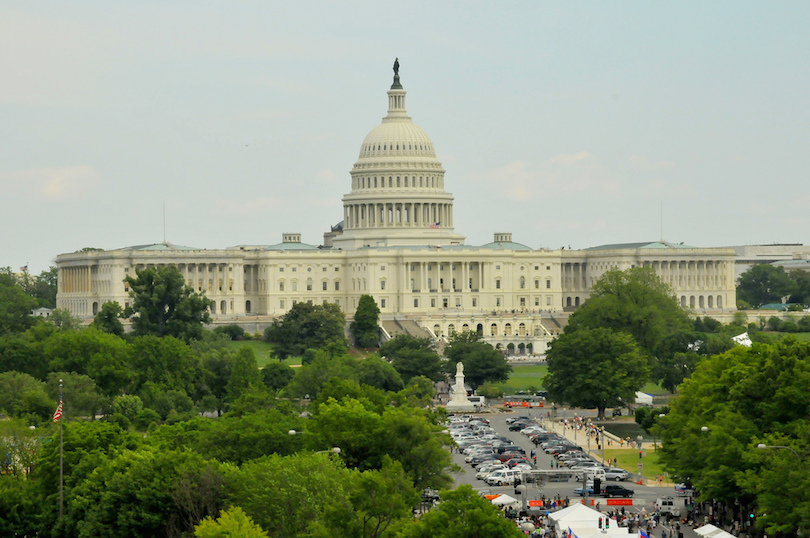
(644, 496)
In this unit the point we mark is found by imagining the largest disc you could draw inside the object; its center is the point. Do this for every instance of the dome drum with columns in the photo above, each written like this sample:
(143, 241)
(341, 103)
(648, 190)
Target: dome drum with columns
(397, 243)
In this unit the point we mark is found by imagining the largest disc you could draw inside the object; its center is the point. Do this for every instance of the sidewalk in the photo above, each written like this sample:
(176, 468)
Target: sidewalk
(580, 437)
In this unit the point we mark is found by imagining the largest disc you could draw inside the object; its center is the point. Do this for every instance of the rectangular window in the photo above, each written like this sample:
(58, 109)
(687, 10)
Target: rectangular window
(295, 286)
(324, 286)
(537, 284)
(537, 301)
(548, 284)
(522, 301)
(382, 303)
(337, 286)
(294, 269)
(433, 303)
(548, 268)
(281, 286)
(337, 269)
(536, 267)
(280, 269)
(309, 286)
(474, 302)
(548, 301)
(497, 284)
(382, 284)
(497, 301)
(281, 303)
(416, 303)
(324, 269)
(382, 268)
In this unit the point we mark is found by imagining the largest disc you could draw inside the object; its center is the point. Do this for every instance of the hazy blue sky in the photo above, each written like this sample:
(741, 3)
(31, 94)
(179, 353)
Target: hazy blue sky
(566, 123)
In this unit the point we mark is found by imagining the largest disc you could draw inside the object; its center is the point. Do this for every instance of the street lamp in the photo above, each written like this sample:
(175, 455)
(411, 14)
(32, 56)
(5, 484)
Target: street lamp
(763, 446)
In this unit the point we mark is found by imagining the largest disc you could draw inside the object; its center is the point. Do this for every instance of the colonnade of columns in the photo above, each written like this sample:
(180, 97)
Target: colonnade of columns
(698, 274)
(75, 279)
(397, 214)
(440, 276)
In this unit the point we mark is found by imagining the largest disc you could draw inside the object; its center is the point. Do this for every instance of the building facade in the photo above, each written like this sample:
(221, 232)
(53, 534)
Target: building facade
(397, 243)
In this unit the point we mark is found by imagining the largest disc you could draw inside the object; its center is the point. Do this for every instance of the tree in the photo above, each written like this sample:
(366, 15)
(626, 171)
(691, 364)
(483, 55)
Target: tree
(365, 327)
(63, 320)
(146, 493)
(462, 513)
(732, 403)
(306, 326)
(482, 362)
(277, 375)
(80, 394)
(595, 368)
(801, 292)
(288, 496)
(108, 319)
(163, 305)
(15, 305)
(164, 362)
(43, 288)
(244, 374)
(382, 497)
(233, 522)
(637, 303)
(22, 396)
(412, 357)
(763, 284)
(310, 378)
(378, 373)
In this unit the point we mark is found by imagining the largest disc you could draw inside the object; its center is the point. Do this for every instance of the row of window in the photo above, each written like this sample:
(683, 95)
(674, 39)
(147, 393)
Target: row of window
(522, 283)
(294, 285)
(373, 183)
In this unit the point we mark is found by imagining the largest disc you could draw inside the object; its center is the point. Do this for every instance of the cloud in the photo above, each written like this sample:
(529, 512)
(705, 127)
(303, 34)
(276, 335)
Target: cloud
(64, 183)
(563, 174)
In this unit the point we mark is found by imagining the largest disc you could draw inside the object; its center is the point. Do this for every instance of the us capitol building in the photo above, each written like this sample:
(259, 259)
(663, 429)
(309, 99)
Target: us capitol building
(397, 243)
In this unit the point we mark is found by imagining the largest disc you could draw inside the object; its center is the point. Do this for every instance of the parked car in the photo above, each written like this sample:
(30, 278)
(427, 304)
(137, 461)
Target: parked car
(614, 473)
(614, 490)
(502, 477)
(583, 489)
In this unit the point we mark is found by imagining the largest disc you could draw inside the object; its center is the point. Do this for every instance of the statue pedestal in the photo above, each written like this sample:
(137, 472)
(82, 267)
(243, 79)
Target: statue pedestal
(459, 401)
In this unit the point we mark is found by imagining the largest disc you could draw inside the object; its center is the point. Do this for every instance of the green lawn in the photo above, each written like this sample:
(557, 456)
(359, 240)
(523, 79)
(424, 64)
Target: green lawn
(628, 460)
(262, 350)
(525, 377)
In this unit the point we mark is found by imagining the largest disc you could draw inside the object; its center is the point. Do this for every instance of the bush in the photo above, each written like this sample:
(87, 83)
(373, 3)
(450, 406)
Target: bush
(145, 418)
(234, 332)
(490, 390)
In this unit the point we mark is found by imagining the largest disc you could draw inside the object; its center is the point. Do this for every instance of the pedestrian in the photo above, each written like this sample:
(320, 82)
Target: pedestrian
(663, 533)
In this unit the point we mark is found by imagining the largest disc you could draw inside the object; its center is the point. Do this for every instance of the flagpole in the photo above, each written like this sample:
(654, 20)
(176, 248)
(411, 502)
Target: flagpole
(61, 458)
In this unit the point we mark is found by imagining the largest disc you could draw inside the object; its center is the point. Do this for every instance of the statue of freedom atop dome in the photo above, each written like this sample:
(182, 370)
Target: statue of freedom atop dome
(396, 66)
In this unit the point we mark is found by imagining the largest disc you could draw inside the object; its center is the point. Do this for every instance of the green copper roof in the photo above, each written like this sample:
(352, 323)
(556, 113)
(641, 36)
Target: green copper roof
(506, 245)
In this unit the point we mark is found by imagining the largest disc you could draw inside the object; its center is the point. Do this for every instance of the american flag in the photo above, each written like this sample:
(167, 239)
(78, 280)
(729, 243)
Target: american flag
(435, 225)
(58, 414)
(24, 268)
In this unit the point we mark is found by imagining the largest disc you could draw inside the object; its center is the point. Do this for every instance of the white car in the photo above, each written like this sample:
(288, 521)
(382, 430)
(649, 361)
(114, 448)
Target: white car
(614, 473)
(532, 429)
(484, 470)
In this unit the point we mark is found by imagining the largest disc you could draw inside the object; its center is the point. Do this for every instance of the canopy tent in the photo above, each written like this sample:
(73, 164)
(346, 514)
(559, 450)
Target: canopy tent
(502, 500)
(643, 398)
(710, 531)
(583, 522)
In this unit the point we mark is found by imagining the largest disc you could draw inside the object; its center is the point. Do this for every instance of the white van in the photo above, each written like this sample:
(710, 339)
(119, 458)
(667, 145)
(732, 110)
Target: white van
(667, 506)
(590, 473)
(502, 477)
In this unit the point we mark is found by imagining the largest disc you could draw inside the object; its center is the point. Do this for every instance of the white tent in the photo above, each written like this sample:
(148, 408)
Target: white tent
(742, 339)
(643, 398)
(502, 500)
(710, 531)
(583, 521)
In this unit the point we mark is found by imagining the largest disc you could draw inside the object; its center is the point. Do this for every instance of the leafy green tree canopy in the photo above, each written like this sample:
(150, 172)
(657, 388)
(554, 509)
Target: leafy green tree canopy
(412, 357)
(595, 368)
(462, 513)
(365, 327)
(108, 319)
(232, 523)
(306, 326)
(482, 362)
(763, 284)
(163, 305)
(15, 304)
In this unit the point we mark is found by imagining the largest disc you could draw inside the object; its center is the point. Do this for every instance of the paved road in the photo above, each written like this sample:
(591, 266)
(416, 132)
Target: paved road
(644, 497)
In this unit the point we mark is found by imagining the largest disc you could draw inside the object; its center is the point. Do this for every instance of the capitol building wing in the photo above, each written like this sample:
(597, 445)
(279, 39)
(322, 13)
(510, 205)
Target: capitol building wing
(397, 243)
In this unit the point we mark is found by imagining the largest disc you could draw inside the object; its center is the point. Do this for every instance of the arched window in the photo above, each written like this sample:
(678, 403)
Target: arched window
(247, 307)
(223, 307)
(451, 329)
(522, 329)
(507, 329)
(522, 283)
(437, 330)
(493, 330)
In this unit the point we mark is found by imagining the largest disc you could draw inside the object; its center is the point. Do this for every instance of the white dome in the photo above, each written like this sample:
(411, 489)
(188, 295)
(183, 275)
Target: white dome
(398, 138)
